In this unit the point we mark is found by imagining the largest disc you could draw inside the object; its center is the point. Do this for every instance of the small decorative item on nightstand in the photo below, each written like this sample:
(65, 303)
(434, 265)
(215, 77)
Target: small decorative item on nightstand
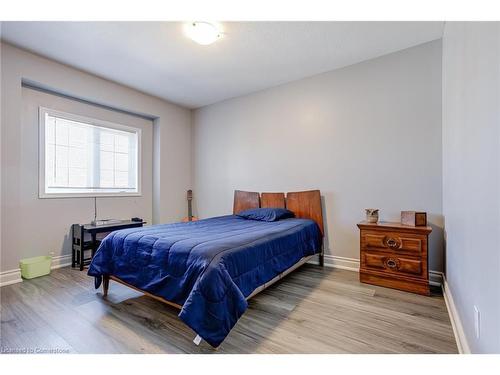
(395, 256)
(414, 218)
(371, 215)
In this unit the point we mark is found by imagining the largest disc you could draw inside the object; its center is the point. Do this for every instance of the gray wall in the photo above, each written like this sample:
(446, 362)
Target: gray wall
(36, 226)
(46, 221)
(368, 135)
(471, 176)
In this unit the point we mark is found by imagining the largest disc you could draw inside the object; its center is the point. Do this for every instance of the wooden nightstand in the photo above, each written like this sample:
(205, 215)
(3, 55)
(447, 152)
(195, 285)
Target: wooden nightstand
(395, 256)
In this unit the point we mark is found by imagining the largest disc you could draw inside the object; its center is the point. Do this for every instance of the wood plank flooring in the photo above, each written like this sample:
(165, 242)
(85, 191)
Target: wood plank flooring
(312, 310)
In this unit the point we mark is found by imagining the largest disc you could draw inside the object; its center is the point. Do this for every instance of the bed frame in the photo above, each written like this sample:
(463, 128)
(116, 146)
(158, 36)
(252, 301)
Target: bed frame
(305, 205)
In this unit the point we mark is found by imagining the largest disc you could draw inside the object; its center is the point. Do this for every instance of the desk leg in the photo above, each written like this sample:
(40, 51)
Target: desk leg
(73, 251)
(94, 244)
(81, 256)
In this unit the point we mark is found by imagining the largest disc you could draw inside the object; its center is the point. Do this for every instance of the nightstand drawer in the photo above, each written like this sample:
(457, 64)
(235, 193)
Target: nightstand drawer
(392, 241)
(393, 264)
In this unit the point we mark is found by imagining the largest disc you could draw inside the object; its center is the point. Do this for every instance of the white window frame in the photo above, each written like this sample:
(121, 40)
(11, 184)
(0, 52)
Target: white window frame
(43, 111)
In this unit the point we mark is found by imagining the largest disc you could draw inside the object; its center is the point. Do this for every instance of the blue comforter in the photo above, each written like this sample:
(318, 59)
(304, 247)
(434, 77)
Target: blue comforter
(208, 266)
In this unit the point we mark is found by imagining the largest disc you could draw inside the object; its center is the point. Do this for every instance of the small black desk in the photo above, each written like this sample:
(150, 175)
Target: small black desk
(79, 245)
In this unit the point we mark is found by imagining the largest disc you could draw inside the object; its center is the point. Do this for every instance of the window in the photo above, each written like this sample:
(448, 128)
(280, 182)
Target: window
(81, 157)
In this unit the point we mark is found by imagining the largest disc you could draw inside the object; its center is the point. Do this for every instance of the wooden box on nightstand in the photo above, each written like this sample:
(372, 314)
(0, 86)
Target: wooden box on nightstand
(395, 256)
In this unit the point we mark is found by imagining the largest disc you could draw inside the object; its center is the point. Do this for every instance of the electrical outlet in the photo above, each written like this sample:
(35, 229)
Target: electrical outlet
(52, 254)
(477, 322)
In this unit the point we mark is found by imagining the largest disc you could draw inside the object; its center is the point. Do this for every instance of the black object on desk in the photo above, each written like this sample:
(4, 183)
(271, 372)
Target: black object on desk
(79, 245)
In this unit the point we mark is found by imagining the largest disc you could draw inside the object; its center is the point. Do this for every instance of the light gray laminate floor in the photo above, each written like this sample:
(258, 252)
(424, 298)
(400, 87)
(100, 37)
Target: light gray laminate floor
(312, 310)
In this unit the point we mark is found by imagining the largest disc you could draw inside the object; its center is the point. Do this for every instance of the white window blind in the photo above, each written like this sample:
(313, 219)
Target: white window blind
(87, 157)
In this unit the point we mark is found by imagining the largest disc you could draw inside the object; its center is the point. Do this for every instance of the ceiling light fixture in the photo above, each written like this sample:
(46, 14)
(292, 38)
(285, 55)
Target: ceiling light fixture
(203, 32)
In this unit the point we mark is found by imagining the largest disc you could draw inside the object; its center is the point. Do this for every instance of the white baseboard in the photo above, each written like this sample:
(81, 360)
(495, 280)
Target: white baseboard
(343, 263)
(14, 276)
(456, 323)
(350, 264)
(10, 277)
(436, 278)
(61, 261)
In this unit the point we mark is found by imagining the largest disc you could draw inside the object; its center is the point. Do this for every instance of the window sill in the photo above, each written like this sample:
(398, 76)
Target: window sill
(86, 195)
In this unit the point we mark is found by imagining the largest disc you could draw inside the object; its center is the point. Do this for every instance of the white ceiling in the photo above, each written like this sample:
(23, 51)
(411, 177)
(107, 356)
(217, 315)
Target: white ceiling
(156, 57)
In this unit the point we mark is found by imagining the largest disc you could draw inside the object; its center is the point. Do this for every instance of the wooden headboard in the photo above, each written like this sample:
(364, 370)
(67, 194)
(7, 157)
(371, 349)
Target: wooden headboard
(304, 204)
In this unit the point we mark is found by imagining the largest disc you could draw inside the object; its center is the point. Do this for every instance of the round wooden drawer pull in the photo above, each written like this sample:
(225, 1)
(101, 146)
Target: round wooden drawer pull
(392, 243)
(391, 263)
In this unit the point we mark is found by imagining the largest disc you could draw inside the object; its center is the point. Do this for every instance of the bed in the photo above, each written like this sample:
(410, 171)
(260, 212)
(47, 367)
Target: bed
(208, 269)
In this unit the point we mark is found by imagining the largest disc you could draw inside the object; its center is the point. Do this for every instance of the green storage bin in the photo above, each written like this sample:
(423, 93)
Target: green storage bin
(35, 267)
